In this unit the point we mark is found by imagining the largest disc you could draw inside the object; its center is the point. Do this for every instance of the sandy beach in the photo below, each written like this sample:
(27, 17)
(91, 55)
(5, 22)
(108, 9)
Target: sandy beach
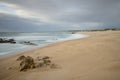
(93, 58)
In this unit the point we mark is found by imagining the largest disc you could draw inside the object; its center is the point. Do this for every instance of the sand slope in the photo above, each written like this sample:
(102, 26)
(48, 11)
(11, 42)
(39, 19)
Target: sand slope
(93, 58)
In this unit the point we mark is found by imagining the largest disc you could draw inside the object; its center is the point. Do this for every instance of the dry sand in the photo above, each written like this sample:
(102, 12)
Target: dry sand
(94, 58)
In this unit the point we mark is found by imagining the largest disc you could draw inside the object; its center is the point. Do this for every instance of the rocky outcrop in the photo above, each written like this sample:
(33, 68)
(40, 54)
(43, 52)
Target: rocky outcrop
(26, 62)
(30, 63)
(28, 43)
(4, 40)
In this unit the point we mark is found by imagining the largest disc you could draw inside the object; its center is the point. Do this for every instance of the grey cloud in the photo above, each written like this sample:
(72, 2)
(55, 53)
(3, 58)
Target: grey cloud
(68, 12)
(16, 24)
(13, 23)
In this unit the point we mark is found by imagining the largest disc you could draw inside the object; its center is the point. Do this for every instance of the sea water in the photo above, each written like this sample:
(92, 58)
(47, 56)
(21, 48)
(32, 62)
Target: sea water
(40, 39)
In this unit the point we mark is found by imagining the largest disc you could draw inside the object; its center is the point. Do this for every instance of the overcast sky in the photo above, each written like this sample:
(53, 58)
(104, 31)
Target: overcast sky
(43, 15)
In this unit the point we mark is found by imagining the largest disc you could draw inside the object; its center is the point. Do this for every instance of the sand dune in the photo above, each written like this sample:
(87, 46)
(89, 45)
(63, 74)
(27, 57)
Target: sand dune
(94, 58)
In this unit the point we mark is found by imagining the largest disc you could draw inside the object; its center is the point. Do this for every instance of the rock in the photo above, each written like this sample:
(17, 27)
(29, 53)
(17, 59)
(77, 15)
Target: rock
(47, 62)
(38, 58)
(28, 43)
(4, 40)
(46, 57)
(20, 58)
(9, 68)
(53, 66)
(26, 62)
(29, 63)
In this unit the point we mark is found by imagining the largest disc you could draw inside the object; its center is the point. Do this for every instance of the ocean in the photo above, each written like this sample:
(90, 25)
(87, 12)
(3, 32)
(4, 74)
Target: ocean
(26, 41)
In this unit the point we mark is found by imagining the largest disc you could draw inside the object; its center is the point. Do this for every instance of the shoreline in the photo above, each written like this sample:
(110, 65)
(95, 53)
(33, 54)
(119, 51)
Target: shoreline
(39, 47)
(94, 58)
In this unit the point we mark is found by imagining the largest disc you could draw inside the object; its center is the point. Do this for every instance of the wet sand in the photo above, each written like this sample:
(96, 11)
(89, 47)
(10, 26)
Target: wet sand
(94, 58)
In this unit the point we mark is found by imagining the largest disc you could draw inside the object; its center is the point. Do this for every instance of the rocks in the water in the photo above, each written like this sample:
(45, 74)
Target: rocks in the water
(28, 43)
(13, 41)
(4, 40)
(30, 63)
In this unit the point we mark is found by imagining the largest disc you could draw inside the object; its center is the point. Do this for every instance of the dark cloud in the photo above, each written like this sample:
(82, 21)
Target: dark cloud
(13, 23)
(68, 13)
